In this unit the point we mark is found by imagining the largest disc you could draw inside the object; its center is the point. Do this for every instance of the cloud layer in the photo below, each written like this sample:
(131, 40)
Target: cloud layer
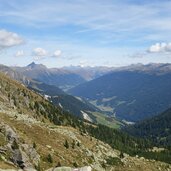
(39, 53)
(121, 18)
(9, 39)
(57, 53)
(160, 47)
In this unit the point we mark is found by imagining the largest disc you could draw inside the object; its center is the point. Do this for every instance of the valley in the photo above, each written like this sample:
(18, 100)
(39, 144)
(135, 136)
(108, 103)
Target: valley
(130, 93)
(24, 121)
(85, 85)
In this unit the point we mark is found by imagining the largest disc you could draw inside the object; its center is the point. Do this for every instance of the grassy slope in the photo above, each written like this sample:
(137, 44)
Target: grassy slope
(107, 121)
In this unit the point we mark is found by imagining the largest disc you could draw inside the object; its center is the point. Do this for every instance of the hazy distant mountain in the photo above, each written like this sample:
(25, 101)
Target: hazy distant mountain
(152, 68)
(57, 77)
(132, 93)
(42, 87)
(15, 75)
(65, 77)
(89, 73)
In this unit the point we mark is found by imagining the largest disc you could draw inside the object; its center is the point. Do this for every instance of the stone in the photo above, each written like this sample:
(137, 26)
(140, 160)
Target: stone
(62, 169)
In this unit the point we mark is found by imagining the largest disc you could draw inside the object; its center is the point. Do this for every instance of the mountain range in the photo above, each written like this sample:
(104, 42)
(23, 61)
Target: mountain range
(130, 93)
(77, 106)
(37, 134)
(65, 77)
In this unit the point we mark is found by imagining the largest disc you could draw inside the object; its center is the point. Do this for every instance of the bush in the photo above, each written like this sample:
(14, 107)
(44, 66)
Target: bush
(114, 161)
(75, 164)
(49, 158)
(66, 145)
(34, 145)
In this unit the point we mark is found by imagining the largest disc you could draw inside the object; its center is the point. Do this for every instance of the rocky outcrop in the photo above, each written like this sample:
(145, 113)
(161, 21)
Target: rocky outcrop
(21, 155)
(86, 168)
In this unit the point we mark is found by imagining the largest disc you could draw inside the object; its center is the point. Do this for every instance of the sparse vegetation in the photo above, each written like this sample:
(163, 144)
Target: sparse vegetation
(75, 164)
(113, 161)
(49, 158)
(66, 144)
(34, 145)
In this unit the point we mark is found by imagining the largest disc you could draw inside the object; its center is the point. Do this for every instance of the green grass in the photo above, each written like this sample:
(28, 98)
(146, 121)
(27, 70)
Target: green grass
(102, 107)
(105, 120)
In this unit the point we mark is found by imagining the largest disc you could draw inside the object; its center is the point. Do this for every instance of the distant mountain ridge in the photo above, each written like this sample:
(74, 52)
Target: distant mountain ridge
(152, 68)
(65, 77)
(133, 93)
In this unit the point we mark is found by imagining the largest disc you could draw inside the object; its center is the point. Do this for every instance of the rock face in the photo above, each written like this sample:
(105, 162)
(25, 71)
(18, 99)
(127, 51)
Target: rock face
(20, 154)
(32, 153)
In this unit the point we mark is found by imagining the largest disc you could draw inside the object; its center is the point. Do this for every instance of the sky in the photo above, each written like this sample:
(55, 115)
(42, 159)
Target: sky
(85, 32)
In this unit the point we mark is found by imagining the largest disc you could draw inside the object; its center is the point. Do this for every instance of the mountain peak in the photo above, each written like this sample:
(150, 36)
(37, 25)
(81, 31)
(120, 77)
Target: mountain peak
(33, 65)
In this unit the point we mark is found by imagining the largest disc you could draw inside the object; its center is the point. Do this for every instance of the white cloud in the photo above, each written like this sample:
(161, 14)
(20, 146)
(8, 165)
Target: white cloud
(160, 47)
(83, 63)
(39, 53)
(57, 53)
(9, 39)
(19, 53)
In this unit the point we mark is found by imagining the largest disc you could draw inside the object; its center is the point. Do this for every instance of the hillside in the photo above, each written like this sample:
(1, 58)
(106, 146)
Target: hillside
(55, 94)
(36, 134)
(131, 93)
(158, 129)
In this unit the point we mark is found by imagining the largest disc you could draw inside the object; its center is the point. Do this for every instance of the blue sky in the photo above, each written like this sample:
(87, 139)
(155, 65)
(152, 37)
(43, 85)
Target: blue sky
(85, 32)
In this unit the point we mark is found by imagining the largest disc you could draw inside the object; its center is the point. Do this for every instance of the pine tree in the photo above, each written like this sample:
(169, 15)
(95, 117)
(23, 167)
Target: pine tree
(66, 144)
(73, 144)
(49, 158)
(34, 145)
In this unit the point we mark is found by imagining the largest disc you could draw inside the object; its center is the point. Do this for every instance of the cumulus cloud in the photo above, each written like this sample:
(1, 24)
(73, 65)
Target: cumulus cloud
(39, 53)
(57, 53)
(160, 47)
(9, 39)
(19, 53)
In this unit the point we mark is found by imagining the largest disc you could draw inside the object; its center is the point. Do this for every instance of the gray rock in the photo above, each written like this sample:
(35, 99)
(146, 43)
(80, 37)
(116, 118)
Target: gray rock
(62, 169)
(86, 168)
(32, 153)
(21, 159)
(10, 134)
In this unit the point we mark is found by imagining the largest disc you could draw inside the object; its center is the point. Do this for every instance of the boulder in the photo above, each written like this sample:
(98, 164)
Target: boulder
(62, 169)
